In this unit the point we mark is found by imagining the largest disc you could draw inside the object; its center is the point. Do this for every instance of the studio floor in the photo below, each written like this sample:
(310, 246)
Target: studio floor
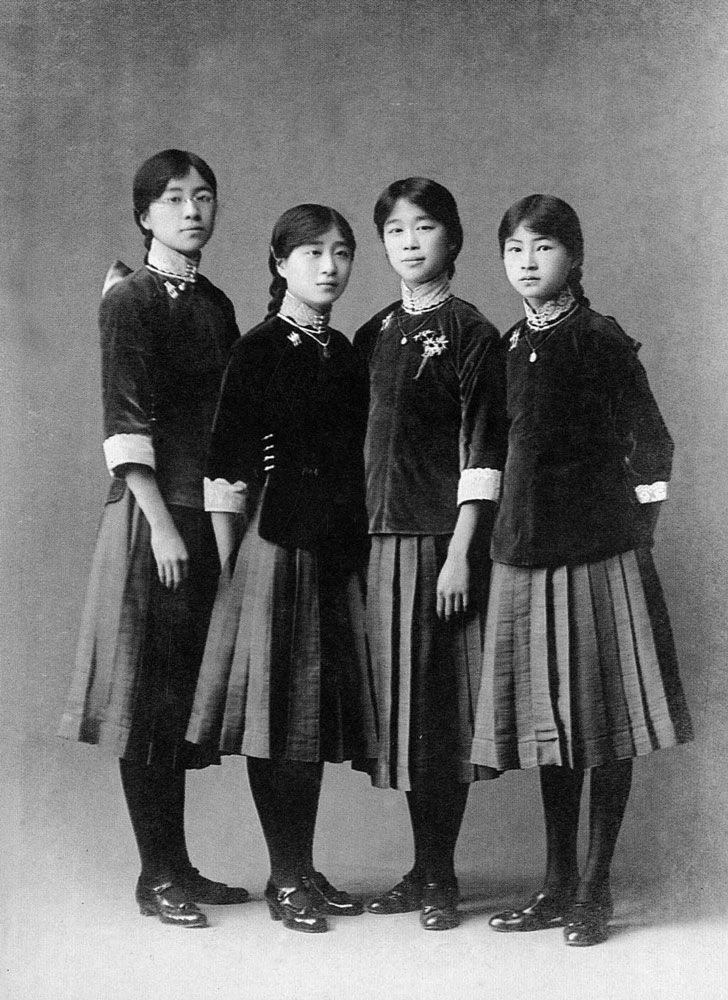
(93, 948)
(70, 929)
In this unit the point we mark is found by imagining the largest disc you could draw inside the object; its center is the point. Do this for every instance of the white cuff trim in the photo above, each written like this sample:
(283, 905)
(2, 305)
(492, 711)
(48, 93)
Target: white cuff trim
(652, 493)
(224, 497)
(479, 484)
(122, 449)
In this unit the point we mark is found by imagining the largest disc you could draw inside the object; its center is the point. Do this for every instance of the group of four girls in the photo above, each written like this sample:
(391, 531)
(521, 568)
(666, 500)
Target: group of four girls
(226, 613)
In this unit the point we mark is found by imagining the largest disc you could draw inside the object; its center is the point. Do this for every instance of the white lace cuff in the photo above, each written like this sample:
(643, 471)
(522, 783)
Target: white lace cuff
(123, 449)
(652, 493)
(479, 484)
(224, 497)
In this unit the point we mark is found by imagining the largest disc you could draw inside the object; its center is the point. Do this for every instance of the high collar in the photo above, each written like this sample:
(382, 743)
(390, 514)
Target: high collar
(550, 312)
(424, 297)
(171, 263)
(302, 314)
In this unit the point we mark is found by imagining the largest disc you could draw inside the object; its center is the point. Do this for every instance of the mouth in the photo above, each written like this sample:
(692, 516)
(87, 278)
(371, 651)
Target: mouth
(413, 260)
(330, 285)
(529, 280)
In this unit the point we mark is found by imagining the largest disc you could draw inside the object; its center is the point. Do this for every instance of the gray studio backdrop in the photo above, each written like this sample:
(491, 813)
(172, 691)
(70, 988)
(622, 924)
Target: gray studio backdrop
(616, 106)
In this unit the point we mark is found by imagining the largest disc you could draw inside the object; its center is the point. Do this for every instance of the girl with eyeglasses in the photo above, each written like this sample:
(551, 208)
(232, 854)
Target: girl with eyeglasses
(166, 333)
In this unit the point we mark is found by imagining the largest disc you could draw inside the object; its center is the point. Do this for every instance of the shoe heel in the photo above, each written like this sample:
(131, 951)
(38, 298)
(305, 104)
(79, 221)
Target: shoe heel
(275, 913)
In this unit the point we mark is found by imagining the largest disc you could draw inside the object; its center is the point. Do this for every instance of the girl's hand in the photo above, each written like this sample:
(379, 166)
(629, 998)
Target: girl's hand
(453, 586)
(172, 558)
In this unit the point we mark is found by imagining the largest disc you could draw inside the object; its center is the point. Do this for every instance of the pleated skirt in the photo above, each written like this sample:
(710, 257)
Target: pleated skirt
(426, 671)
(140, 645)
(579, 666)
(286, 671)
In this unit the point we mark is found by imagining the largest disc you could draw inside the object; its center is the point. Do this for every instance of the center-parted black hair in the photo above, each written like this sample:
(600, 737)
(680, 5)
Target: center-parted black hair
(298, 226)
(432, 198)
(154, 175)
(547, 215)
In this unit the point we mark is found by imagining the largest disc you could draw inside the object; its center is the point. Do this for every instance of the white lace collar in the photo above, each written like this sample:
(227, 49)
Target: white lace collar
(550, 312)
(425, 297)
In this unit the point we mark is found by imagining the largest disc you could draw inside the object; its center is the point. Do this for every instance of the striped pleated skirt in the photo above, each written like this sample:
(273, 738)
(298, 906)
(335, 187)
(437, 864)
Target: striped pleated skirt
(579, 666)
(285, 672)
(140, 645)
(426, 671)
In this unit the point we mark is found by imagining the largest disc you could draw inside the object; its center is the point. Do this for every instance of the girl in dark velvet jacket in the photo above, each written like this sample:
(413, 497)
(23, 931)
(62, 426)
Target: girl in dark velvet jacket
(285, 678)
(166, 334)
(579, 669)
(434, 450)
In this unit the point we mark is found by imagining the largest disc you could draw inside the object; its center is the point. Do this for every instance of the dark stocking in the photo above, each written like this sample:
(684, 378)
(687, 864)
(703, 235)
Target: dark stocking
(561, 795)
(146, 790)
(173, 820)
(610, 788)
(436, 814)
(286, 795)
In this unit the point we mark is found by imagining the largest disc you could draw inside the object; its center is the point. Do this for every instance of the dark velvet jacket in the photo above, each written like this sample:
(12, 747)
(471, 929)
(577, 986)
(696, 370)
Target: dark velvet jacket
(429, 419)
(162, 361)
(584, 432)
(283, 404)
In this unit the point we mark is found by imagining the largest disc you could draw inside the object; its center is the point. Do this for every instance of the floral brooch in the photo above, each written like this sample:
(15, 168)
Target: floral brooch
(432, 345)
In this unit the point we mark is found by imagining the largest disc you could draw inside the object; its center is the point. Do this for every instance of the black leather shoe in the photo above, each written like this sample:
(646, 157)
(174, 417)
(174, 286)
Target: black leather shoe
(404, 897)
(293, 905)
(327, 899)
(587, 923)
(170, 903)
(544, 909)
(204, 890)
(440, 906)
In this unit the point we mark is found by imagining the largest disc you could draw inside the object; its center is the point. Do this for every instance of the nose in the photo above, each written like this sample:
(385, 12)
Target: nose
(528, 260)
(328, 264)
(192, 209)
(411, 241)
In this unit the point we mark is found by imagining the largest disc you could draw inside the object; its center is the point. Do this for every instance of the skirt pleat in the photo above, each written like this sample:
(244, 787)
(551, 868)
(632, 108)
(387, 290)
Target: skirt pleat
(579, 667)
(140, 645)
(285, 672)
(426, 671)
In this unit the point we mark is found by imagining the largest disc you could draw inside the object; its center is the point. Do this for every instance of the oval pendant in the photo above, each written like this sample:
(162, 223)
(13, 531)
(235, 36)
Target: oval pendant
(403, 340)
(532, 356)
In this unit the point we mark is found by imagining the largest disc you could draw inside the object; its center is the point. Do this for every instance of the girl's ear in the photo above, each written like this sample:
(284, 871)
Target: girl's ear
(280, 263)
(144, 219)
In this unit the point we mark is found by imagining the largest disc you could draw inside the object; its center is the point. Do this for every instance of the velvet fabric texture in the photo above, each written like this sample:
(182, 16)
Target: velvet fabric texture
(431, 414)
(584, 432)
(282, 397)
(162, 359)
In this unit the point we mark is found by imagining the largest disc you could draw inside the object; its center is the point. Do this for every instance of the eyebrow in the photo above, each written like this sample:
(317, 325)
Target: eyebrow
(200, 187)
(418, 218)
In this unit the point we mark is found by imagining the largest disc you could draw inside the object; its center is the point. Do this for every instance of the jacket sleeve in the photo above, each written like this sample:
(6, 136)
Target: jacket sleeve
(648, 461)
(127, 359)
(238, 454)
(483, 426)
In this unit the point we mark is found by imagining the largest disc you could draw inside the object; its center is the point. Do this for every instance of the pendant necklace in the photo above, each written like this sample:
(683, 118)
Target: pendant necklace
(533, 356)
(323, 344)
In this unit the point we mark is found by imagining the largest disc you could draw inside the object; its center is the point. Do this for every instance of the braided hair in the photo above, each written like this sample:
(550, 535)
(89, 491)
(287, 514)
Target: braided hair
(297, 227)
(434, 199)
(547, 215)
(154, 175)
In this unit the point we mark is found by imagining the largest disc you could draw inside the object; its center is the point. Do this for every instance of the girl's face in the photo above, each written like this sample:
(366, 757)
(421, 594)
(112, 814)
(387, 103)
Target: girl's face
(183, 216)
(537, 266)
(317, 273)
(417, 246)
